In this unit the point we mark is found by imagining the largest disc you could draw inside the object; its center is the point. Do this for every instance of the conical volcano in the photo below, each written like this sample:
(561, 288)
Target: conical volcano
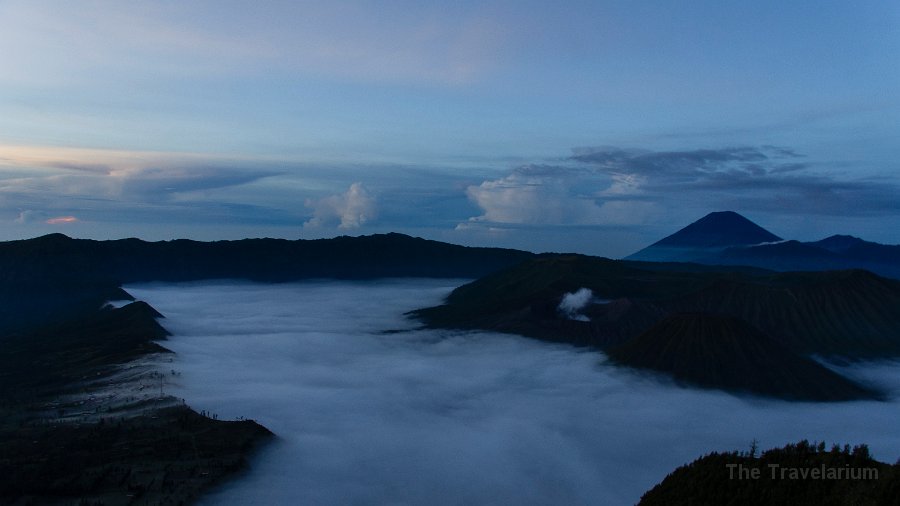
(706, 237)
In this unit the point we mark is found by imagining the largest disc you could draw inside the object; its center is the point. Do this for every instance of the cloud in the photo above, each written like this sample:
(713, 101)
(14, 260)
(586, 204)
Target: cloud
(133, 175)
(113, 188)
(30, 216)
(679, 165)
(121, 191)
(555, 196)
(417, 43)
(448, 417)
(162, 183)
(765, 178)
(61, 220)
(351, 209)
(625, 198)
(519, 198)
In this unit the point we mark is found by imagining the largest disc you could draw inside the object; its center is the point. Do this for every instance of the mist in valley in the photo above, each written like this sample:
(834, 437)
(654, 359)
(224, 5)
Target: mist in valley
(370, 409)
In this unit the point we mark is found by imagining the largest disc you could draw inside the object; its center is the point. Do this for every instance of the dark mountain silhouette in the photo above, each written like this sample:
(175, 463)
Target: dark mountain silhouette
(835, 477)
(727, 238)
(364, 257)
(835, 252)
(840, 243)
(57, 277)
(854, 314)
(719, 351)
(706, 236)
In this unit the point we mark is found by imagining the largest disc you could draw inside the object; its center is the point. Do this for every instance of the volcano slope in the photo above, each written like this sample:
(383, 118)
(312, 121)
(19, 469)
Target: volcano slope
(740, 330)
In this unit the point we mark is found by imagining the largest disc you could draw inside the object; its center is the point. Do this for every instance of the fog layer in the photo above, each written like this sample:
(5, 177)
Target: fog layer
(365, 415)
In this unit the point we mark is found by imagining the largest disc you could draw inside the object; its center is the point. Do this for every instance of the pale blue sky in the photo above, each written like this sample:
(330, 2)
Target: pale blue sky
(594, 126)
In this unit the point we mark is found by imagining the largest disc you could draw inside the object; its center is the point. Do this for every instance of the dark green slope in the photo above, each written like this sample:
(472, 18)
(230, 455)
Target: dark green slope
(709, 481)
(849, 313)
(717, 351)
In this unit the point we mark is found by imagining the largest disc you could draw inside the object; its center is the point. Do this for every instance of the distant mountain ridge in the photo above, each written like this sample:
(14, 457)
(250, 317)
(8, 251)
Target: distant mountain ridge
(57, 276)
(727, 238)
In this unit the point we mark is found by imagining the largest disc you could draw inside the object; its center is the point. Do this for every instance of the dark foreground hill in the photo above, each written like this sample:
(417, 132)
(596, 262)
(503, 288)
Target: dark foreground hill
(727, 238)
(801, 474)
(773, 321)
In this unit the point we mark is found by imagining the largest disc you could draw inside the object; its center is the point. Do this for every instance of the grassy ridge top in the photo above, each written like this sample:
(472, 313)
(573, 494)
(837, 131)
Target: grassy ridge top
(713, 479)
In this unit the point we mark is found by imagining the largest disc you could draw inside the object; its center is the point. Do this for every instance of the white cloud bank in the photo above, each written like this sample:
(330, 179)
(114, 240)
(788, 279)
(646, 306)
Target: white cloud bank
(451, 418)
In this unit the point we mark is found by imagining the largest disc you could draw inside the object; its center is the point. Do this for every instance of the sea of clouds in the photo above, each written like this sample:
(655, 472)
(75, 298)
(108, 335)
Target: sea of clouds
(371, 410)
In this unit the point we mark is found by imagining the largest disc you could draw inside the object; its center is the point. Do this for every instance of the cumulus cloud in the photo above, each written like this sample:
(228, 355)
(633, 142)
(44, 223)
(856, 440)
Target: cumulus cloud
(365, 416)
(544, 195)
(522, 198)
(351, 209)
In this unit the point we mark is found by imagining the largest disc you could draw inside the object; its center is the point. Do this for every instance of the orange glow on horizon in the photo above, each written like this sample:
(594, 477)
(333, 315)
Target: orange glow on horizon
(60, 220)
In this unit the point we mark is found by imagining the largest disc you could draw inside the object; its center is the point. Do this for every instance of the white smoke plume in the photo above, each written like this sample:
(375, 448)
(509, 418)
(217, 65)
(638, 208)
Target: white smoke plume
(572, 303)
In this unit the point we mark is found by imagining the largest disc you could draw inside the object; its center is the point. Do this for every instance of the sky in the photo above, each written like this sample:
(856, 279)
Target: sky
(589, 126)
